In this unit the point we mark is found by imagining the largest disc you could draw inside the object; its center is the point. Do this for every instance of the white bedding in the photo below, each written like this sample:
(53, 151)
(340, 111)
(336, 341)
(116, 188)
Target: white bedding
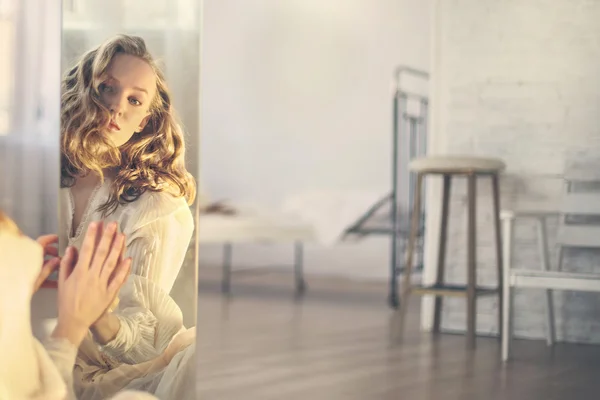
(331, 212)
(253, 225)
(320, 216)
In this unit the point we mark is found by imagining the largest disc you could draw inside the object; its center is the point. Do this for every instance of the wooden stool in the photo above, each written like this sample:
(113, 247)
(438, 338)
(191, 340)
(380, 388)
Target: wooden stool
(447, 167)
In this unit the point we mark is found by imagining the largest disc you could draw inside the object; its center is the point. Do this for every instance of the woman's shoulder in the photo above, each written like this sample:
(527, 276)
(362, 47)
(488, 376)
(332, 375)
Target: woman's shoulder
(153, 206)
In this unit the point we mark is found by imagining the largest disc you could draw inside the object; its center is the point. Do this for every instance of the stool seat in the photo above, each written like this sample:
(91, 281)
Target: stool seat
(456, 165)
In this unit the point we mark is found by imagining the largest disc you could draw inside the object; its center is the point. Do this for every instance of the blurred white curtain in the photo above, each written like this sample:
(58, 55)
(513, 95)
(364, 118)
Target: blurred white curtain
(29, 159)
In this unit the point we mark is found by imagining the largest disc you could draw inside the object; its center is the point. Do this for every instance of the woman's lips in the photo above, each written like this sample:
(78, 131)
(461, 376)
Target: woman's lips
(113, 126)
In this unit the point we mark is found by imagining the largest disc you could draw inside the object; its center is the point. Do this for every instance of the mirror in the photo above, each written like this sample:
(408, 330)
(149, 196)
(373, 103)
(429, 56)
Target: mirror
(129, 150)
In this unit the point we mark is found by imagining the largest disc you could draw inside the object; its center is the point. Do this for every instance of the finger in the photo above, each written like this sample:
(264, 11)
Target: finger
(113, 259)
(50, 251)
(52, 264)
(89, 245)
(66, 265)
(99, 235)
(46, 240)
(47, 269)
(123, 250)
(120, 276)
(104, 247)
(49, 285)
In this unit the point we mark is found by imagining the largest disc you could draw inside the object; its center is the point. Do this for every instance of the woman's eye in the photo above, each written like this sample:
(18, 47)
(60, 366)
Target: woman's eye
(104, 88)
(135, 102)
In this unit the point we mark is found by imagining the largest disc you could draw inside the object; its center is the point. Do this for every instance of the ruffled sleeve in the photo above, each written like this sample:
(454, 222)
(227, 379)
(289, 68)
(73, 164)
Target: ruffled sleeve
(62, 353)
(148, 318)
(158, 228)
(158, 233)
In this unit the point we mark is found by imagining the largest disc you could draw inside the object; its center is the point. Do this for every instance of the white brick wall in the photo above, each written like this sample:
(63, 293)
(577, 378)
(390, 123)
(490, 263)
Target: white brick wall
(520, 80)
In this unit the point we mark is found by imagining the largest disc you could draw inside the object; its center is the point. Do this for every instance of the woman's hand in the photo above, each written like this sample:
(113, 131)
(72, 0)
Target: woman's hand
(48, 243)
(89, 281)
(107, 326)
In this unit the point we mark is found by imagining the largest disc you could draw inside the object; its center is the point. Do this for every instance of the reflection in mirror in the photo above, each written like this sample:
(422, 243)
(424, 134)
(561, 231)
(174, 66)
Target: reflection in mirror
(128, 157)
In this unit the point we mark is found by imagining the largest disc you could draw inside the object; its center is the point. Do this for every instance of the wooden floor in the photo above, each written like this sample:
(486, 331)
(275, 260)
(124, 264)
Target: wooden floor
(336, 344)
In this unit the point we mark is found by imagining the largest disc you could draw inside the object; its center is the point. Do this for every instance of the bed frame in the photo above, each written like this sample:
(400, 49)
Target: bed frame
(390, 216)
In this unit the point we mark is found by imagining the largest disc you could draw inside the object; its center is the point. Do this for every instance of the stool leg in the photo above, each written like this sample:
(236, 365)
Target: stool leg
(471, 260)
(506, 288)
(441, 262)
(412, 242)
(498, 233)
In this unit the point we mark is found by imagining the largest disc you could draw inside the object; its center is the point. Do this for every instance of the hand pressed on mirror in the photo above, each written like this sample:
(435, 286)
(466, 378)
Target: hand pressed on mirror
(44, 371)
(89, 281)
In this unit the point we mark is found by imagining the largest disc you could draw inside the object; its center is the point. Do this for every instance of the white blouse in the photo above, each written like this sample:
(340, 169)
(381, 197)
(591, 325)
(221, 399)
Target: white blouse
(102, 371)
(158, 229)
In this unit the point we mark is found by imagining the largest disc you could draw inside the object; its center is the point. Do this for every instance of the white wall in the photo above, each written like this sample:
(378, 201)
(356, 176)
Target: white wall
(296, 95)
(518, 80)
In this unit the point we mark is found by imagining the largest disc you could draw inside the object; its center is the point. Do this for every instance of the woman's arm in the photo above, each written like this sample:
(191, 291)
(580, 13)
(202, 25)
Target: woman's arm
(86, 289)
(70, 331)
(157, 247)
(148, 319)
(106, 328)
(62, 354)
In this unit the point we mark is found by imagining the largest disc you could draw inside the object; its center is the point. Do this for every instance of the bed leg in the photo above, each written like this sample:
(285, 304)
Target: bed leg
(227, 257)
(299, 267)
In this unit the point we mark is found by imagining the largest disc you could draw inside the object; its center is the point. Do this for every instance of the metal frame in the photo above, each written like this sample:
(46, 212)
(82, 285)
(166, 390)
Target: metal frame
(416, 139)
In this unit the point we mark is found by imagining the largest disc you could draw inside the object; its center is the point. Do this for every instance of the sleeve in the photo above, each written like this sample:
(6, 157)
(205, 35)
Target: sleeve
(148, 318)
(158, 247)
(157, 242)
(62, 353)
(134, 342)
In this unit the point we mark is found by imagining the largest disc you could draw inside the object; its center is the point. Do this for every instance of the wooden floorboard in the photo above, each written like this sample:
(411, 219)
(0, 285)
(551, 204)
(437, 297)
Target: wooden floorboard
(337, 343)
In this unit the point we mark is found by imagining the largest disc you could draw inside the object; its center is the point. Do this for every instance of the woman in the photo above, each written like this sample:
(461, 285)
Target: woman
(122, 160)
(122, 157)
(88, 282)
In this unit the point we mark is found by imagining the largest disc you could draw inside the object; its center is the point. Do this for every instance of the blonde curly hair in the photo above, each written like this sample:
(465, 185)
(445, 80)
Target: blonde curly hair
(152, 160)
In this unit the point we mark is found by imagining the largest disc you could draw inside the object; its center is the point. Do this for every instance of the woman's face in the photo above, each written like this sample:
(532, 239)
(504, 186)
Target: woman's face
(127, 90)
